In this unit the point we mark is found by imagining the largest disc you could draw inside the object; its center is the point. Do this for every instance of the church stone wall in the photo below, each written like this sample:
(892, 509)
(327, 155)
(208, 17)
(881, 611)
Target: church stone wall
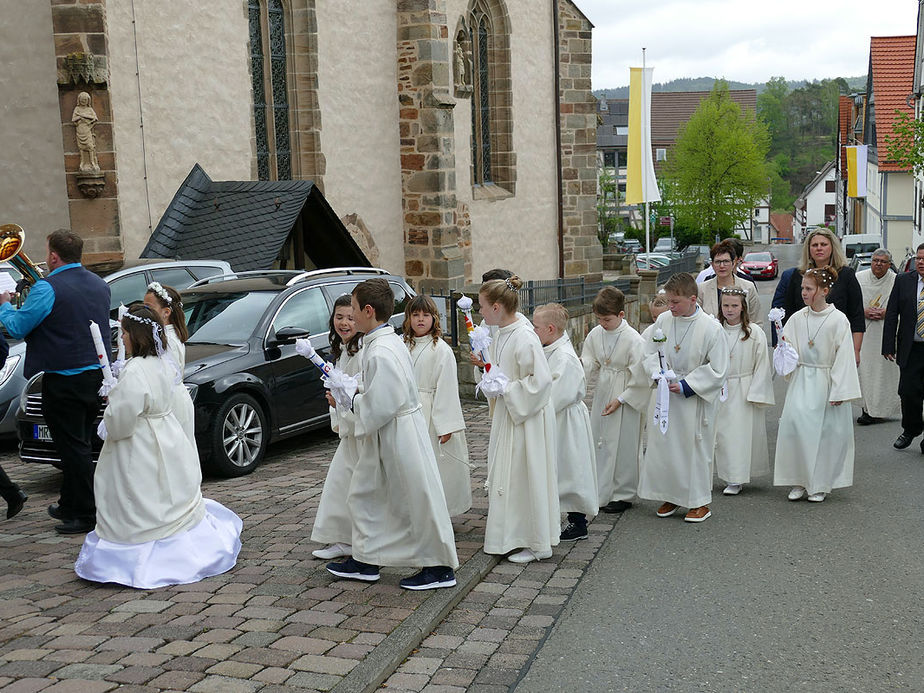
(197, 105)
(518, 232)
(358, 101)
(32, 177)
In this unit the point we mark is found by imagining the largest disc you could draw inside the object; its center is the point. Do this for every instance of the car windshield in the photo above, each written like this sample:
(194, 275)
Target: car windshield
(757, 257)
(224, 318)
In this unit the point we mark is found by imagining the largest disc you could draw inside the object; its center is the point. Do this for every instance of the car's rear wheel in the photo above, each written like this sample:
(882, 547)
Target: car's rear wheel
(239, 436)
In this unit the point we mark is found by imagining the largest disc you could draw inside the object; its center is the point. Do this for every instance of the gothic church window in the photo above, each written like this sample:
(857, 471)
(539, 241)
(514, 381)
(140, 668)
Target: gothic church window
(268, 68)
(493, 159)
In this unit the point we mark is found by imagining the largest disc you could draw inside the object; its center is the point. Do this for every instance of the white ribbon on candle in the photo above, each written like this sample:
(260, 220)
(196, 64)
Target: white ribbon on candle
(342, 387)
(102, 354)
(663, 376)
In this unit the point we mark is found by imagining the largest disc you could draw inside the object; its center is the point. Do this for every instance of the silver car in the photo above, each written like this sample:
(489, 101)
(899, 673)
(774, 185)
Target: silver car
(126, 285)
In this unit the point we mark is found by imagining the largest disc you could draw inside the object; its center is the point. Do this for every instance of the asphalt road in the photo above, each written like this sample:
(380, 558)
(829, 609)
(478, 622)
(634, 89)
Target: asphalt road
(766, 595)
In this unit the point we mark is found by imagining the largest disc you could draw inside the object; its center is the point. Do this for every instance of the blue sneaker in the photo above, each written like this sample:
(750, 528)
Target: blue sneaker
(430, 579)
(351, 569)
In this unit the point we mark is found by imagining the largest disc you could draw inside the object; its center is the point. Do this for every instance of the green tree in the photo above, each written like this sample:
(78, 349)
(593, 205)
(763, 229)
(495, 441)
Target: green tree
(771, 108)
(906, 144)
(717, 167)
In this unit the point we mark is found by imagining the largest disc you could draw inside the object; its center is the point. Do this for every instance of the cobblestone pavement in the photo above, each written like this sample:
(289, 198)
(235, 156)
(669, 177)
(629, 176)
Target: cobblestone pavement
(279, 620)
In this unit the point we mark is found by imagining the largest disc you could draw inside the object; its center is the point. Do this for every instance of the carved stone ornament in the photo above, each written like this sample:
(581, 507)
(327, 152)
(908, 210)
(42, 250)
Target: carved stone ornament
(462, 65)
(83, 68)
(84, 119)
(91, 184)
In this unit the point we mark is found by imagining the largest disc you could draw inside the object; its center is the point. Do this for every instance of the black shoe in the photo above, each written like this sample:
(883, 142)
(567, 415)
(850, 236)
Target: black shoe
(54, 510)
(574, 532)
(75, 526)
(616, 506)
(354, 570)
(903, 441)
(14, 505)
(430, 579)
(866, 420)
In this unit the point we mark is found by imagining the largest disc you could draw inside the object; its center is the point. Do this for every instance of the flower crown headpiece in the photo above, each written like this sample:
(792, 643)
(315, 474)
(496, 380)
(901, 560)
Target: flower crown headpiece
(510, 284)
(158, 341)
(822, 275)
(158, 289)
(734, 291)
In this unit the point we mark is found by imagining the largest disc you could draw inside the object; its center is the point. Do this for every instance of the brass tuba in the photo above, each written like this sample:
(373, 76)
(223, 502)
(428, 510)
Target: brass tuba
(12, 238)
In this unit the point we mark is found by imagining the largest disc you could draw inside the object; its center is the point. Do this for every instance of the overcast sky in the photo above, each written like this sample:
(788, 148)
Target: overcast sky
(744, 40)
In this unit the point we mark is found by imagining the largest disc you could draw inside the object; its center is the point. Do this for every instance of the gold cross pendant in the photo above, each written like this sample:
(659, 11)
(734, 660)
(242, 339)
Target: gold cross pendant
(676, 347)
(811, 342)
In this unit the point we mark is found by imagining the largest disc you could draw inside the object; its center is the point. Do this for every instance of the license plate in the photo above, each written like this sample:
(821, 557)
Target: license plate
(40, 432)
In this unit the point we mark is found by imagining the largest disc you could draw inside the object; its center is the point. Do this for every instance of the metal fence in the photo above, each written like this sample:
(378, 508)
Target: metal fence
(685, 263)
(571, 291)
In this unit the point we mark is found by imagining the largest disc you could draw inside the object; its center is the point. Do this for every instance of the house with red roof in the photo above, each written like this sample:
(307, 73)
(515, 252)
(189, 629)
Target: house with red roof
(889, 203)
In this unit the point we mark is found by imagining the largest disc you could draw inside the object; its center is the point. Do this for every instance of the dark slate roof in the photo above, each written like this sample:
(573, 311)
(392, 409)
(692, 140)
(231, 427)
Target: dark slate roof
(247, 222)
(615, 115)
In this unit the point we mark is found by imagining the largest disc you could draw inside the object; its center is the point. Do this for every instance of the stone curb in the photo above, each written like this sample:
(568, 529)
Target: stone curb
(388, 655)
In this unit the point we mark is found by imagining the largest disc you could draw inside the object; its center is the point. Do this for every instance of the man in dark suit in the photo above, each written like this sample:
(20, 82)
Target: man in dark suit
(904, 319)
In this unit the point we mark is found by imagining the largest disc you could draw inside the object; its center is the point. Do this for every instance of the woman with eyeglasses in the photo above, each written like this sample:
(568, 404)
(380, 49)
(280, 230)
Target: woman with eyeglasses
(822, 248)
(710, 291)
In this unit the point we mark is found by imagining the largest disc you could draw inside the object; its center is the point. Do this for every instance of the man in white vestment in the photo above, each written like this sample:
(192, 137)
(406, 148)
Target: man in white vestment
(878, 376)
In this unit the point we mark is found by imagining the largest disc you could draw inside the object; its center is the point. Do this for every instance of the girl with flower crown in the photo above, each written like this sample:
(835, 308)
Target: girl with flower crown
(815, 445)
(741, 439)
(153, 527)
(166, 302)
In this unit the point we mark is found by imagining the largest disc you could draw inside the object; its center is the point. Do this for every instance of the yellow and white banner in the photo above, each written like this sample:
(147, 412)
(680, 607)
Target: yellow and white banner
(641, 185)
(856, 171)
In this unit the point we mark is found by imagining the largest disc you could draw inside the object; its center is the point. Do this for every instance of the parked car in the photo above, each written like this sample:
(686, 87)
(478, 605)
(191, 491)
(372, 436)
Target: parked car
(657, 260)
(126, 285)
(248, 384)
(860, 261)
(664, 245)
(762, 265)
(632, 246)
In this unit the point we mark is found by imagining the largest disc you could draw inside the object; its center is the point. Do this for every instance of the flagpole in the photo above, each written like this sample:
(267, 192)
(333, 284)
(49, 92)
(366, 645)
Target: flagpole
(645, 191)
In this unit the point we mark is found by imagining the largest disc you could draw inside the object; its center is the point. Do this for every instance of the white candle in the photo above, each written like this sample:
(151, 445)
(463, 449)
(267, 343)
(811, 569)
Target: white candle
(120, 356)
(101, 352)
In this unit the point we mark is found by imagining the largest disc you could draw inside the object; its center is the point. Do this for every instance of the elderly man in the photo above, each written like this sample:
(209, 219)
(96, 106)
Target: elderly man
(878, 377)
(904, 320)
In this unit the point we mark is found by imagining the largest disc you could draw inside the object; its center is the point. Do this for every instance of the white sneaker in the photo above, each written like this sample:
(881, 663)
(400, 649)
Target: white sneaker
(732, 490)
(333, 551)
(796, 493)
(527, 556)
(817, 497)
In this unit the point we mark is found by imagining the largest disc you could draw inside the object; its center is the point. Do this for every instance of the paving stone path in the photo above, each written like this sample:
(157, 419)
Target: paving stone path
(278, 621)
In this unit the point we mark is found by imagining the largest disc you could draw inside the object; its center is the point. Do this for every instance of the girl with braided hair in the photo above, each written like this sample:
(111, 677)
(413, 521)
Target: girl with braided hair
(815, 445)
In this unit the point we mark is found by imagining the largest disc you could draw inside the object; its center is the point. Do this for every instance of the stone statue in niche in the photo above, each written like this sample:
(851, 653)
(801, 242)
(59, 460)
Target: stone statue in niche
(84, 118)
(463, 66)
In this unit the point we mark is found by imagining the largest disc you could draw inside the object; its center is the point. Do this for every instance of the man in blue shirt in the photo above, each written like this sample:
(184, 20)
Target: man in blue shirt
(54, 320)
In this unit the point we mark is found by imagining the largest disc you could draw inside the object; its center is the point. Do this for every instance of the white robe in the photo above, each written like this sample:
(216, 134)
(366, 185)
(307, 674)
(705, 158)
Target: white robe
(523, 509)
(709, 298)
(438, 386)
(577, 470)
(815, 445)
(741, 439)
(332, 522)
(153, 528)
(183, 407)
(878, 375)
(396, 499)
(617, 356)
(677, 465)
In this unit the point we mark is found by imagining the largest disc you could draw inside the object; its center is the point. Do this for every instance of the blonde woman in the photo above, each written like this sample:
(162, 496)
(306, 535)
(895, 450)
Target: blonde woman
(823, 249)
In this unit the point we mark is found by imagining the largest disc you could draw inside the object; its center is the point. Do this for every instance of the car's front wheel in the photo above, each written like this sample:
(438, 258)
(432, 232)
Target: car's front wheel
(239, 436)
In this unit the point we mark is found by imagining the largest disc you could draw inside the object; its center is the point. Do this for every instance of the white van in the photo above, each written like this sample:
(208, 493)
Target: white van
(859, 243)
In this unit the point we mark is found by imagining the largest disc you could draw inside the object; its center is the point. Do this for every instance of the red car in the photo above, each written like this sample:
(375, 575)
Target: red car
(760, 265)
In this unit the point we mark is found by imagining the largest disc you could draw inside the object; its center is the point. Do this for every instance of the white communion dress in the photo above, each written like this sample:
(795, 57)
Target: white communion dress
(183, 407)
(153, 527)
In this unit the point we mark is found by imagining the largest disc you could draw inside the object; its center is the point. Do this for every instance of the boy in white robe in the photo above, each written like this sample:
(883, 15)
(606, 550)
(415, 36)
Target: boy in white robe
(396, 499)
(677, 465)
(577, 474)
(614, 350)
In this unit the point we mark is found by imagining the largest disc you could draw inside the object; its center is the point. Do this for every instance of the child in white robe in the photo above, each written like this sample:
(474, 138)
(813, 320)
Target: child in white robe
(153, 527)
(815, 445)
(438, 387)
(741, 441)
(332, 523)
(577, 471)
(614, 350)
(396, 502)
(523, 511)
(166, 302)
(677, 464)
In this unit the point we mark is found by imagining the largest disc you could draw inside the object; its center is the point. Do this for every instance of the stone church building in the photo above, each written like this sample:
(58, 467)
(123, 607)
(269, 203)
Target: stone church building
(449, 136)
